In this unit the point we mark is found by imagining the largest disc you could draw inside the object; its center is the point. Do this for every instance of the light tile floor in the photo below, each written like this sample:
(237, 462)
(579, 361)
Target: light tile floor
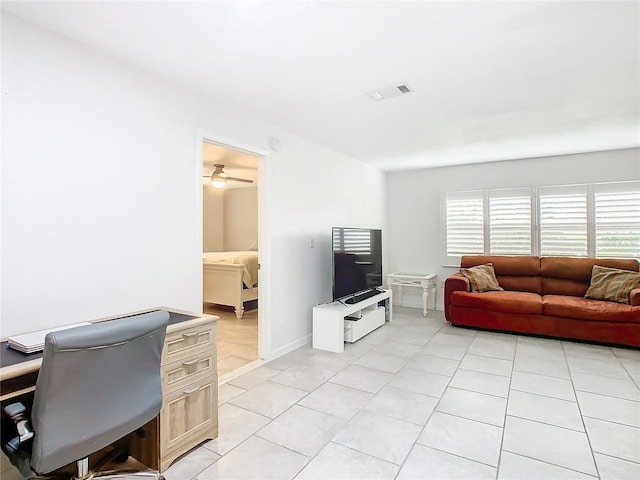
(420, 399)
(237, 340)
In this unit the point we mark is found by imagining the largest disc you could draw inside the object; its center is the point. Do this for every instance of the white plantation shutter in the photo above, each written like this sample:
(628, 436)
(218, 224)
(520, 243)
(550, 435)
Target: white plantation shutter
(617, 219)
(510, 221)
(563, 220)
(601, 220)
(353, 240)
(464, 212)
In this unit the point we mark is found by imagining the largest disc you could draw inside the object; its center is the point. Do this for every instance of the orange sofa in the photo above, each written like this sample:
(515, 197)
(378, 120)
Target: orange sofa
(544, 296)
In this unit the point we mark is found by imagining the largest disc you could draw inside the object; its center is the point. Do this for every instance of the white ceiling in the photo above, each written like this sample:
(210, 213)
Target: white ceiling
(491, 80)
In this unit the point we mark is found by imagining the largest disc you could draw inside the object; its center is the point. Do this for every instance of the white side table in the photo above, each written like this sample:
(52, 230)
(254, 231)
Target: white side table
(426, 281)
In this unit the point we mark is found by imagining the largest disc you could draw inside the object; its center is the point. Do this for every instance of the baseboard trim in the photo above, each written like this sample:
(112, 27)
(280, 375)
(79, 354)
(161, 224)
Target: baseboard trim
(239, 371)
(290, 347)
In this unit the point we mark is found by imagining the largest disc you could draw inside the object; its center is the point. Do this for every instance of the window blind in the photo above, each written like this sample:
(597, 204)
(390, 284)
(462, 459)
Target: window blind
(510, 221)
(563, 220)
(464, 223)
(617, 219)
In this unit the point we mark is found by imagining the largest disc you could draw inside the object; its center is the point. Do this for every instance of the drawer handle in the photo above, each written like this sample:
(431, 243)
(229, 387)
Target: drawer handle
(191, 362)
(191, 390)
(190, 334)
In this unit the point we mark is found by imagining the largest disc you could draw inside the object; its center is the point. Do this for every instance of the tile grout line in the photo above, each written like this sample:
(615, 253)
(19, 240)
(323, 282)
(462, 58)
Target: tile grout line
(586, 432)
(435, 407)
(619, 458)
(612, 422)
(551, 463)
(637, 384)
(506, 409)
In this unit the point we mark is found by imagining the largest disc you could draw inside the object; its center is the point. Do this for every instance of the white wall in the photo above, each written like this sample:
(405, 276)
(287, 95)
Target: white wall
(240, 218)
(101, 193)
(212, 219)
(311, 199)
(414, 197)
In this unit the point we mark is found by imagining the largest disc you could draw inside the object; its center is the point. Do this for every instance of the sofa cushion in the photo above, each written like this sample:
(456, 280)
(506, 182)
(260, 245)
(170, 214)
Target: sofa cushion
(586, 309)
(519, 273)
(563, 286)
(482, 278)
(612, 284)
(518, 265)
(520, 283)
(505, 301)
(572, 276)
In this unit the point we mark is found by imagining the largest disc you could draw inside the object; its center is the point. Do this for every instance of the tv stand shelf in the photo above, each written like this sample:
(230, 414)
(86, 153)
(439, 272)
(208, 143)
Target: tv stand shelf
(334, 323)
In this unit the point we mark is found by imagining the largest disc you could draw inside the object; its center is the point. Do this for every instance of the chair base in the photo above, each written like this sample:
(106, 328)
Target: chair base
(104, 470)
(122, 475)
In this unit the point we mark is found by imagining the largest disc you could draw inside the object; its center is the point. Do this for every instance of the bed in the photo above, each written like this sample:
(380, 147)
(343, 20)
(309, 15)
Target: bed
(230, 278)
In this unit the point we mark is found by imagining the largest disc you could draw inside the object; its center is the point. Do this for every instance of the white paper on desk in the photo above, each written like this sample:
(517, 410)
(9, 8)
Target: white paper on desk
(34, 341)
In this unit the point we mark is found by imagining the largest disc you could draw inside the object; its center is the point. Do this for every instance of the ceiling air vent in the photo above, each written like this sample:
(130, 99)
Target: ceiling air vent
(389, 92)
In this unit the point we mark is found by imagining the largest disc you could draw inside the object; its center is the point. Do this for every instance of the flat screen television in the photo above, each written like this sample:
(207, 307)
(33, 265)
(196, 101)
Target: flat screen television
(357, 260)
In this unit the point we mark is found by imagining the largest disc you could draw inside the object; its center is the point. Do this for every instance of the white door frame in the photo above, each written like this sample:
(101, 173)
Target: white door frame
(264, 238)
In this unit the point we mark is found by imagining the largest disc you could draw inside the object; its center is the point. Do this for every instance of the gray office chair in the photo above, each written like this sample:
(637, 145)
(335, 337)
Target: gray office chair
(97, 384)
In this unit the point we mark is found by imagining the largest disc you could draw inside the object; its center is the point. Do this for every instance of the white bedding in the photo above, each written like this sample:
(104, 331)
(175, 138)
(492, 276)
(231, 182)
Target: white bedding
(247, 258)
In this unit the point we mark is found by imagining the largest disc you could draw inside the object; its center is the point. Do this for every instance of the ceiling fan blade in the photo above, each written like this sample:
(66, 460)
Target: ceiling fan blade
(218, 172)
(235, 179)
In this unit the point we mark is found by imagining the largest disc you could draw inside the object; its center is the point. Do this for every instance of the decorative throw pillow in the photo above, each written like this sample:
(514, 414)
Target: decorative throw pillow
(482, 278)
(612, 284)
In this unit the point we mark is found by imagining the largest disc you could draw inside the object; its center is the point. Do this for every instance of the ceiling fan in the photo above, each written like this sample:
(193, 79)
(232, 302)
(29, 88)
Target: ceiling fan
(219, 178)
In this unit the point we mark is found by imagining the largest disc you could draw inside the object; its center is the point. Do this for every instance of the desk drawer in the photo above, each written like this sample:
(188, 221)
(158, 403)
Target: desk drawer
(179, 374)
(180, 345)
(189, 416)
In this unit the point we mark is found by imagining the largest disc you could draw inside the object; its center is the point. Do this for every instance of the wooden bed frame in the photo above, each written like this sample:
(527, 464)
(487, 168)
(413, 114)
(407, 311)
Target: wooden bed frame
(222, 284)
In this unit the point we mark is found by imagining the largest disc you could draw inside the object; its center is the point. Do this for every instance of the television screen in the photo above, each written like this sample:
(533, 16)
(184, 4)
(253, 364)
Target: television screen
(357, 260)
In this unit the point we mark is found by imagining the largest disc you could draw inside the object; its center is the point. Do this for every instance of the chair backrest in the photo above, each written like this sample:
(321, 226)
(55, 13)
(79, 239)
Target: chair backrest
(97, 384)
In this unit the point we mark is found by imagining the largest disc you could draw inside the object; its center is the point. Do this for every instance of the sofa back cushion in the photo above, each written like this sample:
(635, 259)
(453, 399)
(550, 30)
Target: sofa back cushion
(515, 273)
(572, 276)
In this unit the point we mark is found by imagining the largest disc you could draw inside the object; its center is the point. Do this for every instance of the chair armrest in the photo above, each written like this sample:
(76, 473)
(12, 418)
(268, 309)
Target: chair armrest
(634, 297)
(456, 282)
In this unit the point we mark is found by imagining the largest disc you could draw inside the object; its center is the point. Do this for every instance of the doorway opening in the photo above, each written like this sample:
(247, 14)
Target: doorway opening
(230, 252)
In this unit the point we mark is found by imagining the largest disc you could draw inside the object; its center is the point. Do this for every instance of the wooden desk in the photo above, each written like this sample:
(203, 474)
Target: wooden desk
(189, 388)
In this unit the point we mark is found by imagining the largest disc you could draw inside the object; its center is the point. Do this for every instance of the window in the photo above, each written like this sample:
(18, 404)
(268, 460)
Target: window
(510, 221)
(563, 220)
(617, 219)
(601, 220)
(465, 224)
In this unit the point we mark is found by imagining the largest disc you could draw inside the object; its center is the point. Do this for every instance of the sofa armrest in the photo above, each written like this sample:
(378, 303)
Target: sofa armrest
(456, 282)
(634, 297)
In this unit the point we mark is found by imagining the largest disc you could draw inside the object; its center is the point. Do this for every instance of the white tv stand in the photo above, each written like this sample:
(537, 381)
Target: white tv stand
(335, 323)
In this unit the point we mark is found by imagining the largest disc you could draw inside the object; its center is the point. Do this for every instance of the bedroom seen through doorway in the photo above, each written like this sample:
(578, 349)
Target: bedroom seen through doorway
(230, 252)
